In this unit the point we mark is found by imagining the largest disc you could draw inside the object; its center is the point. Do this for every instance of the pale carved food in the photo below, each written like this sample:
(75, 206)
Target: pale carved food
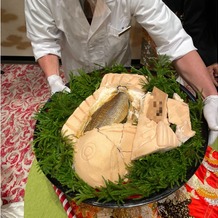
(120, 123)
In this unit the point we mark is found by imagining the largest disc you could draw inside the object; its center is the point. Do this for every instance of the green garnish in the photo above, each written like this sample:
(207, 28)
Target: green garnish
(148, 175)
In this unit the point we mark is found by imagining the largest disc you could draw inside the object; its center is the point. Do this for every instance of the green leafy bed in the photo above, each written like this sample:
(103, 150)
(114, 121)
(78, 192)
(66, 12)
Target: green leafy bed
(147, 176)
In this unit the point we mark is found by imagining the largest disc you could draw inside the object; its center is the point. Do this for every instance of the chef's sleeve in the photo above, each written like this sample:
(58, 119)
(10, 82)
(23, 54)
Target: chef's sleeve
(41, 29)
(164, 27)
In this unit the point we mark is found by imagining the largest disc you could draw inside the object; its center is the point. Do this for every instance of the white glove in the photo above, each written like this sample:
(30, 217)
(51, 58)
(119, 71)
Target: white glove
(56, 84)
(213, 135)
(211, 115)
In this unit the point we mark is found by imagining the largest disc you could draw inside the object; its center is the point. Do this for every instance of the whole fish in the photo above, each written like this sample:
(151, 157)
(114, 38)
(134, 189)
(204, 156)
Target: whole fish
(113, 111)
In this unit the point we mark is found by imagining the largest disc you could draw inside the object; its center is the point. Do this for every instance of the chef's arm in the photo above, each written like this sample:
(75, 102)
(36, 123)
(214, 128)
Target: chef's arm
(50, 66)
(192, 69)
(45, 37)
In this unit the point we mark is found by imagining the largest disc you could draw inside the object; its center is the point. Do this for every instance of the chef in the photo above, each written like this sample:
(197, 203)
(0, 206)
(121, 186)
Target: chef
(60, 29)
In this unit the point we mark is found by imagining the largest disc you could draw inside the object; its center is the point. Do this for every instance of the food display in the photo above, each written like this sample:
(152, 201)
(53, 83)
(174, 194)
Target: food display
(121, 137)
(120, 123)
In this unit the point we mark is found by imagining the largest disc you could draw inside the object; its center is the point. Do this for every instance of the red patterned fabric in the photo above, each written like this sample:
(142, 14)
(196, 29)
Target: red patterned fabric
(23, 90)
(203, 187)
(66, 205)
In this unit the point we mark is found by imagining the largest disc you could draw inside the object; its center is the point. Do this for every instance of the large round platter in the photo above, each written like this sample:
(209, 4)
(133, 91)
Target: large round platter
(133, 200)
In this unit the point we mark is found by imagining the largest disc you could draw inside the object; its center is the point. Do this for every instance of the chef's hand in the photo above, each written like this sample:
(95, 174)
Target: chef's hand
(56, 84)
(213, 136)
(213, 71)
(211, 114)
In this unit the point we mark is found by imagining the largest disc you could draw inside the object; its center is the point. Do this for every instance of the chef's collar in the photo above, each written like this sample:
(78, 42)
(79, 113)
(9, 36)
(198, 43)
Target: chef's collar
(91, 2)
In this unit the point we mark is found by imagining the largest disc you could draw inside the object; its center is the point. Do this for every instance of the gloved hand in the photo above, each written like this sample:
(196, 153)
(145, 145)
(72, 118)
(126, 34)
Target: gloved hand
(213, 136)
(56, 84)
(211, 115)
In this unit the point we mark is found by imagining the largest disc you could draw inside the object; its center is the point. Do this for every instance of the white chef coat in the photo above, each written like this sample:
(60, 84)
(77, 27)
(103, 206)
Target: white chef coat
(60, 27)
